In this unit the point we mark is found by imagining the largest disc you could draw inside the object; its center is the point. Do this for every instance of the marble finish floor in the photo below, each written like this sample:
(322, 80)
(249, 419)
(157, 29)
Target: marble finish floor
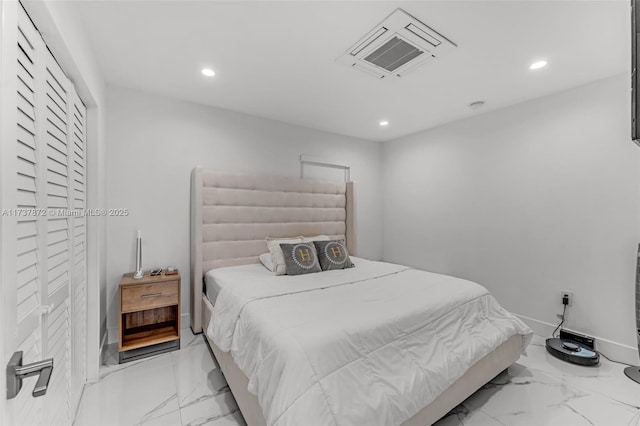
(186, 387)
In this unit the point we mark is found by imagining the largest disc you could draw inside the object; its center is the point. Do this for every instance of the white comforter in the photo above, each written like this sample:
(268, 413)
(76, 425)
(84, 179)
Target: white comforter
(370, 345)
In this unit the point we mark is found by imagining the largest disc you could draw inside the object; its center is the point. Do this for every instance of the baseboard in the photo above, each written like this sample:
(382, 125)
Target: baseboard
(185, 321)
(612, 350)
(103, 343)
(112, 335)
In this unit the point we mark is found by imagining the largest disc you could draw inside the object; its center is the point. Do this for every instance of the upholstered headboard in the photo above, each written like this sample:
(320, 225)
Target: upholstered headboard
(233, 213)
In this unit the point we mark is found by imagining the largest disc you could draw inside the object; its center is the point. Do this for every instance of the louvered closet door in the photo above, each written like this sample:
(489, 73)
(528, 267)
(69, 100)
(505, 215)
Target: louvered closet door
(56, 287)
(43, 256)
(22, 285)
(79, 247)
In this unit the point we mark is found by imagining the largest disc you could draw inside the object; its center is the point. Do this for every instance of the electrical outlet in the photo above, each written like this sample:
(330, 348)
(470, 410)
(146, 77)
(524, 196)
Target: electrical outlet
(569, 294)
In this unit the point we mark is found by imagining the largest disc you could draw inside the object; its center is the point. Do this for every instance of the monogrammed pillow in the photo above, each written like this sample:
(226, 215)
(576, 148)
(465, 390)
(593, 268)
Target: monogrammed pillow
(333, 255)
(300, 258)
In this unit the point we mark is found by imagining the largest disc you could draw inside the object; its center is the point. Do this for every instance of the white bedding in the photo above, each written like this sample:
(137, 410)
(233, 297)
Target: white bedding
(370, 345)
(212, 287)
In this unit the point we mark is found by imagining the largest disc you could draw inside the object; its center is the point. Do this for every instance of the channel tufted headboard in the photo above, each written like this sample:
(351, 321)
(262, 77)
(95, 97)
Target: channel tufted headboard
(232, 214)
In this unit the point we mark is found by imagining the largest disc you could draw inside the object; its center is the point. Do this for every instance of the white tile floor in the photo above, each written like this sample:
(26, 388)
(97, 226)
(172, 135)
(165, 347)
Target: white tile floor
(186, 387)
(183, 387)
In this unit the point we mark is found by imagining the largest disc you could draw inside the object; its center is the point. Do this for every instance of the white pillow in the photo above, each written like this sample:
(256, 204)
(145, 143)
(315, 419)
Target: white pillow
(265, 259)
(277, 257)
(316, 238)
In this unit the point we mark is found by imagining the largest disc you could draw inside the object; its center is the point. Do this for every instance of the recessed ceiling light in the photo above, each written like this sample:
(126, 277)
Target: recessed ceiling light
(537, 65)
(384, 123)
(476, 104)
(208, 72)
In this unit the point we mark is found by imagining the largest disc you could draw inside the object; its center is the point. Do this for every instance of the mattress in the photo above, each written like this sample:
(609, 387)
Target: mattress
(368, 345)
(236, 277)
(213, 287)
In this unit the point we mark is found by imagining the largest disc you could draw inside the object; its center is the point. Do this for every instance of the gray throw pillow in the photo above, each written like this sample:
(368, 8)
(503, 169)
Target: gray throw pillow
(300, 258)
(333, 255)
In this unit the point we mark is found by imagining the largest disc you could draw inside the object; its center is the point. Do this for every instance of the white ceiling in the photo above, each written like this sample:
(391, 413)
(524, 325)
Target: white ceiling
(277, 59)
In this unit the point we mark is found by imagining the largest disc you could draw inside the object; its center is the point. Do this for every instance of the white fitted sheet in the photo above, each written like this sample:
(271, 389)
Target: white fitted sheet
(214, 280)
(212, 288)
(368, 345)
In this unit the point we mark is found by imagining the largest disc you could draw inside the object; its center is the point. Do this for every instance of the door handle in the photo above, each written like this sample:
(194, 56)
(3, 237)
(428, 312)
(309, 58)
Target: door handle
(149, 296)
(16, 372)
(43, 381)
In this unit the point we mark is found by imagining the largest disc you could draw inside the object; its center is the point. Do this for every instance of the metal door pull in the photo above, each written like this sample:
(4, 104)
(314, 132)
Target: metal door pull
(149, 296)
(43, 381)
(16, 372)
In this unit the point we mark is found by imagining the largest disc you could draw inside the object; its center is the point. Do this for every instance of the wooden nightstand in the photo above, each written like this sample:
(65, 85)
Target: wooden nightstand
(149, 319)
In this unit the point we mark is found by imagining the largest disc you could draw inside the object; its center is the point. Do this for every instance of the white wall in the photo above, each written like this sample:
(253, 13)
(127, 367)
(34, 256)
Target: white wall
(154, 143)
(66, 37)
(528, 201)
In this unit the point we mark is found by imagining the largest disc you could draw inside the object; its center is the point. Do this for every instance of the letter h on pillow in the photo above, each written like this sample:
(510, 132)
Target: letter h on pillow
(333, 255)
(301, 258)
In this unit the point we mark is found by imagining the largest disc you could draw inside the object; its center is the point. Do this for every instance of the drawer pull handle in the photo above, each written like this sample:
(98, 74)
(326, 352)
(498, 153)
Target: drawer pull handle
(149, 296)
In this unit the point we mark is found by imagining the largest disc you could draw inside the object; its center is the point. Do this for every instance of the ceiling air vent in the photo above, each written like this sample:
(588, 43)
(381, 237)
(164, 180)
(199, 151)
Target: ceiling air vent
(395, 46)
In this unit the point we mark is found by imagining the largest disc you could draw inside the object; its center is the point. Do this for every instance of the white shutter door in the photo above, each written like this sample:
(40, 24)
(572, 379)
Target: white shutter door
(57, 339)
(28, 246)
(44, 293)
(79, 226)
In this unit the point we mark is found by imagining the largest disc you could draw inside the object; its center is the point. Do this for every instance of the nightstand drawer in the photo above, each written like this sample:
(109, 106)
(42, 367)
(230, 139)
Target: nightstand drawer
(150, 296)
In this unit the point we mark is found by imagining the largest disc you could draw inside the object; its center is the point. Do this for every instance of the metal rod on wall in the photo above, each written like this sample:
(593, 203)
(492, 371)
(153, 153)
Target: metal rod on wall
(304, 159)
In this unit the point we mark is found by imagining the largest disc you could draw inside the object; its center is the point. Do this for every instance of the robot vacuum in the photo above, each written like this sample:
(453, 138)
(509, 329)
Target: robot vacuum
(573, 352)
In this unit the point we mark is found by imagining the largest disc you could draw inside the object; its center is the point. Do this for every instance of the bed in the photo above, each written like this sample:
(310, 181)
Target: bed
(334, 347)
